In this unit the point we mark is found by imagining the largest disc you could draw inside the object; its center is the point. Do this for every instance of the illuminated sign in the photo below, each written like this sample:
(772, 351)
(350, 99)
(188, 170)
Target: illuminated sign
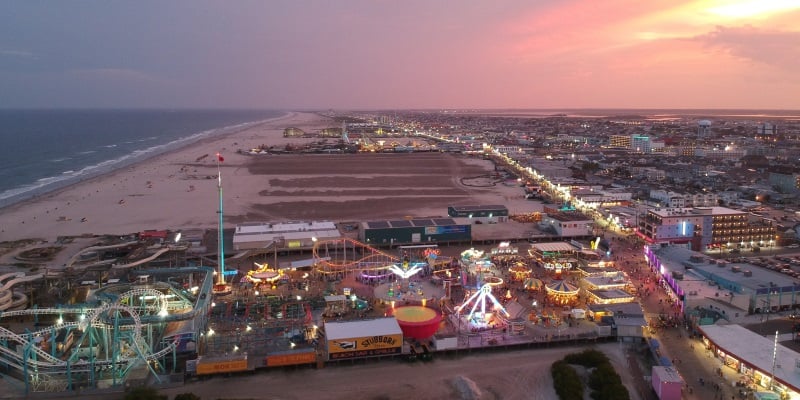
(365, 343)
(277, 360)
(221, 366)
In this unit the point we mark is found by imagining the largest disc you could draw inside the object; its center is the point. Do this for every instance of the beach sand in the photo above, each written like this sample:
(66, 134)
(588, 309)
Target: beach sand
(178, 190)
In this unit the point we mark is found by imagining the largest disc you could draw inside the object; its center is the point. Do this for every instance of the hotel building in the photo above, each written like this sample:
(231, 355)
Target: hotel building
(706, 228)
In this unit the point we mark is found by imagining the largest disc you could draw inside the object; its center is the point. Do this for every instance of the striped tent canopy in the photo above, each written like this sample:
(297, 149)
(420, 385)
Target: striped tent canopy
(532, 284)
(562, 287)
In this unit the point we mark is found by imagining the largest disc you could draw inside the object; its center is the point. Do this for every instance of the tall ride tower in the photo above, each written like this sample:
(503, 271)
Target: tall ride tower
(221, 235)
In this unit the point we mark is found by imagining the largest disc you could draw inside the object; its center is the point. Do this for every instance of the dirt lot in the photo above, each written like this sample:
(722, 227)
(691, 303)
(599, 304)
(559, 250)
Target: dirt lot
(371, 186)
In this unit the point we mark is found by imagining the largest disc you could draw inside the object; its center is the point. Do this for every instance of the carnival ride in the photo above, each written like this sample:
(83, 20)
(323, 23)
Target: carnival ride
(344, 255)
(87, 250)
(99, 344)
(562, 292)
(417, 322)
(10, 299)
(479, 299)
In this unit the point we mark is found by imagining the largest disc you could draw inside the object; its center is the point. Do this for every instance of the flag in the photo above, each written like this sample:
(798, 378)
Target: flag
(220, 158)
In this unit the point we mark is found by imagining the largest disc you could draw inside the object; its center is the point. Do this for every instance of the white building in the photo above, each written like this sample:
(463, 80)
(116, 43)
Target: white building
(668, 199)
(568, 224)
(261, 235)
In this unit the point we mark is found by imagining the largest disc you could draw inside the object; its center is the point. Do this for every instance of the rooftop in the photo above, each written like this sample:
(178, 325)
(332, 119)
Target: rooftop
(569, 217)
(479, 208)
(366, 328)
(758, 351)
(407, 223)
(554, 247)
(668, 212)
(676, 259)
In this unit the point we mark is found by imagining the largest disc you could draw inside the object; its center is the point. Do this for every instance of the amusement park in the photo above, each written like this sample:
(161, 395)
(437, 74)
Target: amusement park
(166, 307)
(123, 324)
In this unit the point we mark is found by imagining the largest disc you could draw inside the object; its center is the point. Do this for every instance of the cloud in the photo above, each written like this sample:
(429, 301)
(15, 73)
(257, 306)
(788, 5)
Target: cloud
(776, 48)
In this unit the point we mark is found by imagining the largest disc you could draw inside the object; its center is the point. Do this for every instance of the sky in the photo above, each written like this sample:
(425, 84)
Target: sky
(299, 54)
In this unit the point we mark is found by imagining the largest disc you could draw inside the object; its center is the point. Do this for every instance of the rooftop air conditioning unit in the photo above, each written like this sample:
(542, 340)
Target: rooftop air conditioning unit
(736, 268)
(747, 272)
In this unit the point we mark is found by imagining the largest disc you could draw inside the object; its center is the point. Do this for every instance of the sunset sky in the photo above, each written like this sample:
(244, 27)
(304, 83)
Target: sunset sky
(401, 54)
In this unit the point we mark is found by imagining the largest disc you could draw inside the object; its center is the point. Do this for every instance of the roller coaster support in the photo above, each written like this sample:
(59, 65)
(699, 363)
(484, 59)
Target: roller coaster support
(26, 353)
(114, 351)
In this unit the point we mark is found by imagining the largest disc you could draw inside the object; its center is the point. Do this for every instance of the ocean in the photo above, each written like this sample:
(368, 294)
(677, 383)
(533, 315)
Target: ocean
(44, 150)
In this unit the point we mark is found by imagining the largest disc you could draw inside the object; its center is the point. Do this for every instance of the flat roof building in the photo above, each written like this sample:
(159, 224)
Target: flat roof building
(731, 289)
(707, 228)
(413, 231)
(261, 235)
(755, 359)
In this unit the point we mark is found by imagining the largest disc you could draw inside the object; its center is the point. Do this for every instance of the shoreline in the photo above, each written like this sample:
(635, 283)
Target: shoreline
(143, 195)
(67, 183)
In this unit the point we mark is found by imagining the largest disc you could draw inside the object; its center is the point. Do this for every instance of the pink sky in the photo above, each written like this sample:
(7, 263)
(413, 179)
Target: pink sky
(414, 54)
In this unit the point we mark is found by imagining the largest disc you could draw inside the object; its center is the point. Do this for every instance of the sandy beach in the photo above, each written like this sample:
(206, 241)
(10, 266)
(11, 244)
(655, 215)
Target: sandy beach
(178, 190)
(170, 190)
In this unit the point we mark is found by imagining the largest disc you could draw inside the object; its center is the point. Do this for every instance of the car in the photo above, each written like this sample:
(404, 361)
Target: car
(793, 246)
(735, 251)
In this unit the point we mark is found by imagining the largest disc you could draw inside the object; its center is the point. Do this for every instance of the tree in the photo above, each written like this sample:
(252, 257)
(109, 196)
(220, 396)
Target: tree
(144, 393)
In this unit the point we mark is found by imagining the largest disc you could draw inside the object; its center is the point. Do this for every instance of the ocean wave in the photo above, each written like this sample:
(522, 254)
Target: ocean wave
(58, 160)
(72, 176)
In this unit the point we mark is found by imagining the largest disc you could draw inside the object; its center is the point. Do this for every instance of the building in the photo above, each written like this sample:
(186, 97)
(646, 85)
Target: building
(293, 132)
(703, 128)
(360, 339)
(667, 383)
(293, 235)
(407, 231)
(620, 141)
(785, 179)
(641, 144)
(707, 228)
(649, 173)
(731, 290)
(482, 213)
(755, 359)
(668, 198)
(568, 224)
(724, 153)
(671, 199)
(767, 129)
(597, 198)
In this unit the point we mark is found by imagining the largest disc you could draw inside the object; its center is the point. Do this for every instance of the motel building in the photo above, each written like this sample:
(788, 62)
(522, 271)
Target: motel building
(761, 363)
(707, 228)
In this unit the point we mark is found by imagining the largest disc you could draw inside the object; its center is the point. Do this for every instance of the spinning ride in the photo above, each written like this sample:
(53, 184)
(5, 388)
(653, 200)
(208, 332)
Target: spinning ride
(562, 292)
(478, 316)
(417, 322)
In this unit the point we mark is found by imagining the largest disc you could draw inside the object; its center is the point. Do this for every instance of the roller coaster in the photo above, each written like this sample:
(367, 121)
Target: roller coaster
(344, 255)
(105, 343)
